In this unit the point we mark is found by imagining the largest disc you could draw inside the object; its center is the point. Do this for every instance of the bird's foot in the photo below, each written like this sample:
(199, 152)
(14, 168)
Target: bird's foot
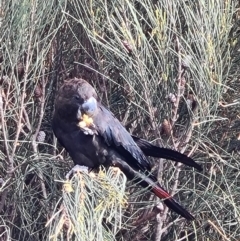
(88, 131)
(75, 169)
(116, 170)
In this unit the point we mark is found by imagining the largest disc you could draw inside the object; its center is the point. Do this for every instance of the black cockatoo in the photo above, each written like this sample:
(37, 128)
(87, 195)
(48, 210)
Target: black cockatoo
(93, 136)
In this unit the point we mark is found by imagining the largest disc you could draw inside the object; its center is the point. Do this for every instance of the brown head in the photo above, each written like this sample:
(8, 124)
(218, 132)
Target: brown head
(72, 96)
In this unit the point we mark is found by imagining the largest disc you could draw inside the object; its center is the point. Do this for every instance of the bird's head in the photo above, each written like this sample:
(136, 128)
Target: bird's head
(75, 98)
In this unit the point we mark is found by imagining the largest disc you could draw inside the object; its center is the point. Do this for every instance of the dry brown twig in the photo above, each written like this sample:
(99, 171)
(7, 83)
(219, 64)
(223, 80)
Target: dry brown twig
(7, 152)
(218, 230)
(161, 218)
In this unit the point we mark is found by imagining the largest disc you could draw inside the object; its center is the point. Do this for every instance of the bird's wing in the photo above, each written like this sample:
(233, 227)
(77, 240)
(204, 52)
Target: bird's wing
(116, 136)
(160, 152)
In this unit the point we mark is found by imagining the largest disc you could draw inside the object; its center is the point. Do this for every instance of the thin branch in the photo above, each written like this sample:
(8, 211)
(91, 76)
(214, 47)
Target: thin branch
(34, 138)
(218, 230)
(147, 217)
(9, 158)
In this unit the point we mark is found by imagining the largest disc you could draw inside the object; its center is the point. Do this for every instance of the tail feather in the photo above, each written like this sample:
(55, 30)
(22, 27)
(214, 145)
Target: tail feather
(172, 204)
(160, 152)
(149, 181)
(162, 194)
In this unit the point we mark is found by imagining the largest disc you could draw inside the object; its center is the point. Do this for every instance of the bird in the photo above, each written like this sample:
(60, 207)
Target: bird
(93, 136)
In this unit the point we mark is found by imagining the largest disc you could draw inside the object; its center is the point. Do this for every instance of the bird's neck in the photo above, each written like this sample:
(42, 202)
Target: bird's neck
(68, 114)
(67, 122)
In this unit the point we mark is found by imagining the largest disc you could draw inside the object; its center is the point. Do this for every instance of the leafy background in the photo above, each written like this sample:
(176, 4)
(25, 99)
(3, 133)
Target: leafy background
(169, 70)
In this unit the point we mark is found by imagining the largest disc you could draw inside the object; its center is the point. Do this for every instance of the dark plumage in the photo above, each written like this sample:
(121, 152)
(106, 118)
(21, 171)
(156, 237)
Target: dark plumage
(106, 142)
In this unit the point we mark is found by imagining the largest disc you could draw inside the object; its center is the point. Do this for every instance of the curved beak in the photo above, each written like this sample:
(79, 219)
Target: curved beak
(89, 106)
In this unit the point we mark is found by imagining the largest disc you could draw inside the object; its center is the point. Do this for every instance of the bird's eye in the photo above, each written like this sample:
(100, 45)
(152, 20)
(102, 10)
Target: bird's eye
(76, 97)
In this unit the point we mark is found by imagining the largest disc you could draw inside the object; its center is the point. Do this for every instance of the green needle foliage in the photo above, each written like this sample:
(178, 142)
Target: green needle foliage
(91, 207)
(169, 70)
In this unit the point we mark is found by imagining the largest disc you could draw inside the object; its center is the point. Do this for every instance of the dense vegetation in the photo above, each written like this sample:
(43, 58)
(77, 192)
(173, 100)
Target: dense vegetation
(169, 70)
